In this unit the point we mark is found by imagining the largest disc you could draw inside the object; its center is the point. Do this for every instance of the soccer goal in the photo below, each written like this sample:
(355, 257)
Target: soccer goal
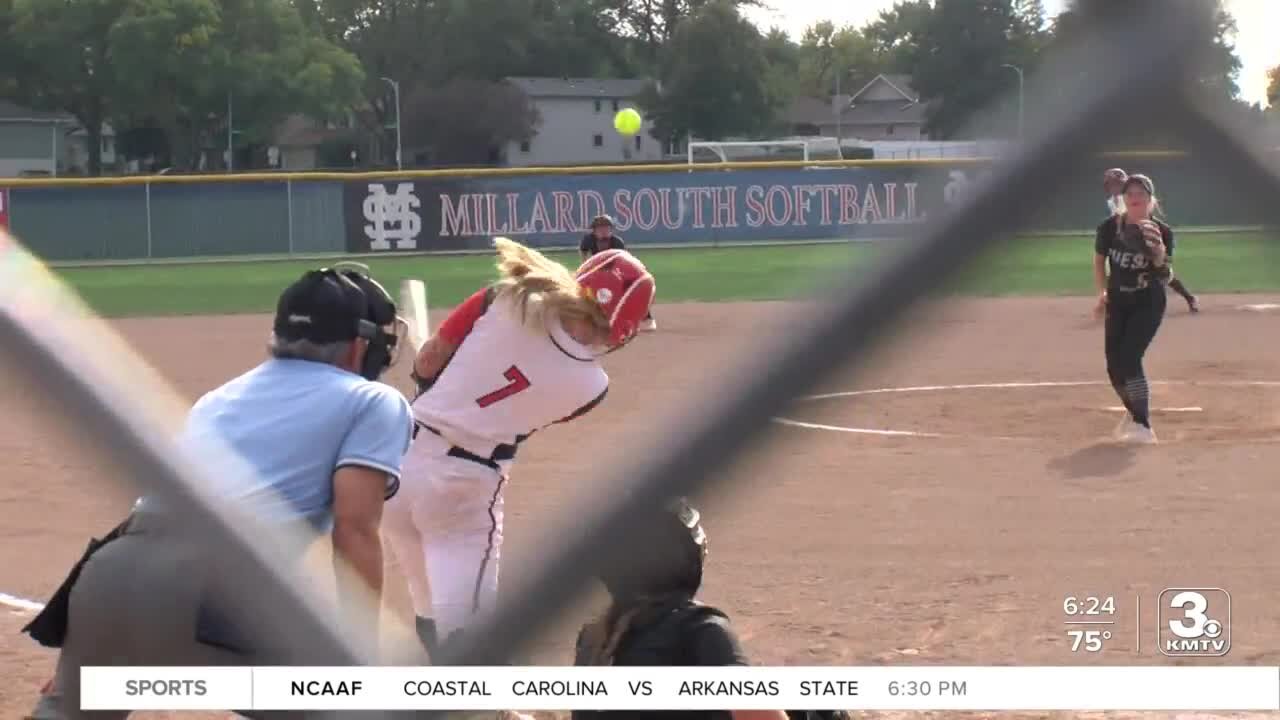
(806, 149)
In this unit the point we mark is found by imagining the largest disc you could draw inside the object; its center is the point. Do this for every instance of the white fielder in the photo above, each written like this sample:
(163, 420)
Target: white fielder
(497, 373)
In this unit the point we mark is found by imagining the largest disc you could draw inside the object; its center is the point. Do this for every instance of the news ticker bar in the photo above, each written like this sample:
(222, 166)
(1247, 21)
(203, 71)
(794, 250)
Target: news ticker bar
(679, 688)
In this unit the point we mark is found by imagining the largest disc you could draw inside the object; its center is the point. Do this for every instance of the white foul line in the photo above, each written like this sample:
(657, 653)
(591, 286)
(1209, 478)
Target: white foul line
(857, 431)
(991, 386)
(945, 388)
(20, 604)
(1117, 408)
(1027, 385)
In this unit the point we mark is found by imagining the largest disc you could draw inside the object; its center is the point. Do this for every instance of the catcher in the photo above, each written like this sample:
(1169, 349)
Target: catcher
(654, 619)
(1113, 182)
(1130, 270)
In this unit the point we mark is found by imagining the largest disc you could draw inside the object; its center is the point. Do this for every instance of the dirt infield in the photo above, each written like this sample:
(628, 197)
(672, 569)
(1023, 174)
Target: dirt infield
(840, 545)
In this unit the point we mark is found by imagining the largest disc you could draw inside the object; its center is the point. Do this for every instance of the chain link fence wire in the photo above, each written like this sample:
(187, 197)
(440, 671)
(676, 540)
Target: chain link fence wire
(1134, 58)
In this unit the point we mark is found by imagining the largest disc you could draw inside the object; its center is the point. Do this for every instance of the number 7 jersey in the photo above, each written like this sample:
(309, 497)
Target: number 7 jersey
(506, 381)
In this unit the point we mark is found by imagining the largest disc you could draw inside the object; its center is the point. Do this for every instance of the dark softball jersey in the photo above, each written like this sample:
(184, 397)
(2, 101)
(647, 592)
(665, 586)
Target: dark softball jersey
(683, 634)
(1130, 269)
(591, 247)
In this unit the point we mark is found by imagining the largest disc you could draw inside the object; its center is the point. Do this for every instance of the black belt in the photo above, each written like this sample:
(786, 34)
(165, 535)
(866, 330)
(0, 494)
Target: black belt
(500, 453)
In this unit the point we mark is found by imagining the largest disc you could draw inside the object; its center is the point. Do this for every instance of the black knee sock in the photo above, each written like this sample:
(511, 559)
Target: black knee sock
(1122, 391)
(1181, 289)
(1139, 399)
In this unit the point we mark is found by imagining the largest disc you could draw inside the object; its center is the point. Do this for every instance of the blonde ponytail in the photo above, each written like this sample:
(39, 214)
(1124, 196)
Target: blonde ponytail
(541, 287)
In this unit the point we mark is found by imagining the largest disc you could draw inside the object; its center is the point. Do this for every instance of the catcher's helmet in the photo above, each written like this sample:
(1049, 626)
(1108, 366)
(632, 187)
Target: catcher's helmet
(622, 287)
(672, 562)
(601, 221)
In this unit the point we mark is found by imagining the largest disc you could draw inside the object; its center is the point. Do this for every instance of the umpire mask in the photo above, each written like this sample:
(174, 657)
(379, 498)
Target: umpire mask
(340, 304)
(671, 563)
(380, 311)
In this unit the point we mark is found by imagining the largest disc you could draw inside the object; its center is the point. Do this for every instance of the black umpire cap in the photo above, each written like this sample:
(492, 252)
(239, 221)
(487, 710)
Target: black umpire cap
(328, 305)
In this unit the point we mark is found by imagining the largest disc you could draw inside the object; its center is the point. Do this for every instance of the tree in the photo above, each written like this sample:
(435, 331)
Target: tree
(468, 121)
(782, 58)
(1216, 64)
(654, 22)
(404, 40)
(425, 45)
(69, 48)
(1273, 87)
(264, 63)
(10, 58)
(897, 34)
(827, 52)
(173, 65)
(962, 50)
(153, 103)
(714, 78)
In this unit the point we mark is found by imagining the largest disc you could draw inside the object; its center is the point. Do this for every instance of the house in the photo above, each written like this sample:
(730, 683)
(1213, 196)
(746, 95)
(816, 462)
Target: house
(576, 123)
(887, 108)
(75, 149)
(30, 140)
(35, 143)
(298, 141)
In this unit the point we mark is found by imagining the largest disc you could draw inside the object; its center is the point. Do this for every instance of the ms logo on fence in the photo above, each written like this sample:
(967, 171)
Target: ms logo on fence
(1194, 622)
(960, 187)
(392, 216)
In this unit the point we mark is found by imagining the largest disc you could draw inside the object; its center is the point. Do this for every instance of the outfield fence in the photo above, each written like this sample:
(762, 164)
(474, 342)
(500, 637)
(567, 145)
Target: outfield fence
(1134, 60)
(174, 217)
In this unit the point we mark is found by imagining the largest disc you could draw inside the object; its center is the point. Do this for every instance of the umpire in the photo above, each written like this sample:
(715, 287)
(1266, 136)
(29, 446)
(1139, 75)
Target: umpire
(601, 238)
(654, 620)
(325, 444)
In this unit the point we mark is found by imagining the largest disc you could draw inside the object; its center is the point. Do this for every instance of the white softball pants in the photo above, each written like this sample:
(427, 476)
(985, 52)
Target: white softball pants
(444, 529)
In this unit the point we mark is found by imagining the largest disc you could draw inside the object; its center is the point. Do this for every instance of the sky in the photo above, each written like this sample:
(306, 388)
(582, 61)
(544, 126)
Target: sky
(1257, 48)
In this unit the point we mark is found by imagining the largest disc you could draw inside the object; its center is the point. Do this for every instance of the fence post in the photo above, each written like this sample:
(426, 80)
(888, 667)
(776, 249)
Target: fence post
(288, 195)
(147, 189)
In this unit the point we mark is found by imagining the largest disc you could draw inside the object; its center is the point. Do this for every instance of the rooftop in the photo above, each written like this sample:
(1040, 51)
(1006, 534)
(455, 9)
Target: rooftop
(13, 112)
(536, 87)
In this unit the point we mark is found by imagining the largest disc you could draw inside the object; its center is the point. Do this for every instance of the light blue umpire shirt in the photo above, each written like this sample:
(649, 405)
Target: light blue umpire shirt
(294, 423)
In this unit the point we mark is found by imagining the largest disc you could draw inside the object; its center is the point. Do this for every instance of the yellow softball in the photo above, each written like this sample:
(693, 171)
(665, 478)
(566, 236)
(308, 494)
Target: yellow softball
(627, 121)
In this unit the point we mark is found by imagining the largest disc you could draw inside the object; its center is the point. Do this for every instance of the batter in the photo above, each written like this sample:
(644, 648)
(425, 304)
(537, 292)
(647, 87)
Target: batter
(515, 357)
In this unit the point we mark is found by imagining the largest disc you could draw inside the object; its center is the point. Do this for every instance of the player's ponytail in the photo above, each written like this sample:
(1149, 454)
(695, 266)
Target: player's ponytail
(539, 285)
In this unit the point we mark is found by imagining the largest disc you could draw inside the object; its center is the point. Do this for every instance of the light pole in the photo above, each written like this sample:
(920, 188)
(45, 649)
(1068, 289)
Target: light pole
(395, 87)
(231, 154)
(1018, 70)
(838, 108)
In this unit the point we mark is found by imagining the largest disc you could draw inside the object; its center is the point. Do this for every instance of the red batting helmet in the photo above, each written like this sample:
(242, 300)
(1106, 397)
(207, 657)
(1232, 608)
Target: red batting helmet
(622, 287)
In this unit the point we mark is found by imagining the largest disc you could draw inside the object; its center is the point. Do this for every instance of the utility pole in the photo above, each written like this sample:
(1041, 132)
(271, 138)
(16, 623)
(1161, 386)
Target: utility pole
(231, 154)
(395, 87)
(838, 107)
(1021, 96)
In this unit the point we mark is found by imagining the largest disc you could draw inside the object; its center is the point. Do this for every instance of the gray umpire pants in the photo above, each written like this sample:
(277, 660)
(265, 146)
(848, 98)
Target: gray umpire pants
(135, 603)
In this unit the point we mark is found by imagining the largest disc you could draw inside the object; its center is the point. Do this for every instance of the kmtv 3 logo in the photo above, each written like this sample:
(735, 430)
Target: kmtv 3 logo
(1194, 622)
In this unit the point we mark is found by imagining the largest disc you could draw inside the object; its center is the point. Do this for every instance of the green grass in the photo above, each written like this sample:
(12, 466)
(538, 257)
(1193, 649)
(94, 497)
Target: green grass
(1239, 262)
(1208, 263)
